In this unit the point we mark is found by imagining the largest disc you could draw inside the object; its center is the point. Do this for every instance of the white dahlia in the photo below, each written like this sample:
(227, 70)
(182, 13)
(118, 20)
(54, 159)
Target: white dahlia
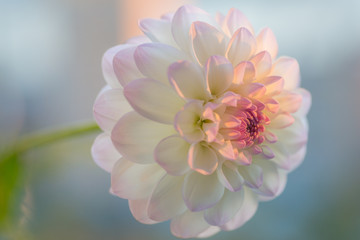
(201, 121)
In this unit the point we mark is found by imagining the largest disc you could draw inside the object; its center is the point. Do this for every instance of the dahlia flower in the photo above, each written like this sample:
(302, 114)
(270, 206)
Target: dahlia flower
(201, 121)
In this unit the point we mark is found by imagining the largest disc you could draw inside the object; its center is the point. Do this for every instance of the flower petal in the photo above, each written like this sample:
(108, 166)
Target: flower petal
(202, 159)
(263, 63)
(234, 20)
(104, 153)
(241, 46)
(212, 230)
(207, 41)
(109, 106)
(135, 137)
(282, 121)
(171, 153)
(289, 101)
(153, 60)
(253, 175)
(244, 72)
(138, 208)
(182, 21)
(305, 103)
(166, 200)
(230, 177)
(108, 67)
(125, 67)
(225, 209)
(219, 74)
(201, 191)
(188, 80)
(247, 211)
(288, 68)
(134, 181)
(188, 225)
(137, 40)
(266, 41)
(158, 30)
(153, 100)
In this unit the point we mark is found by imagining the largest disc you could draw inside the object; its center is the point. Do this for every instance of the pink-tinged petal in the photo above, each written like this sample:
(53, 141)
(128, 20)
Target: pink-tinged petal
(288, 68)
(135, 137)
(202, 159)
(188, 225)
(253, 175)
(137, 40)
(125, 67)
(289, 101)
(226, 150)
(104, 153)
(181, 24)
(305, 103)
(109, 106)
(166, 200)
(263, 63)
(230, 177)
(230, 134)
(230, 99)
(247, 211)
(241, 46)
(253, 90)
(273, 178)
(281, 188)
(220, 18)
(153, 60)
(270, 137)
(207, 41)
(153, 100)
(108, 67)
(266, 41)
(225, 209)
(272, 105)
(229, 121)
(219, 74)
(158, 30)
(244, 158)
(201, 192)
(234, 20)
(267, 152)
(209, 232)
(134, 181)
(188, 80)
(282, 121)
(171, 153)
(274, 85)
(244, 72)
(138, 208)
(186, 122)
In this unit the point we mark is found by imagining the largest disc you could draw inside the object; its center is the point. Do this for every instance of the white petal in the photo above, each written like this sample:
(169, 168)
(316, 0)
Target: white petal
(235, 20)
(230, 177)
(137, 40)
(182, 21)
(188, 80)
(305, 102)
(266, 41)
(263, 63)
(109, 106)
(252, 174)
(244, 72)
(289, 101)
(107, 65)
(136, 137)
(188, 225)
(212, 230)
(124, 66)
(207, 41)
(282, 121)
(186, 121)
(158, 30)
(274, 85)
(288, 68)
(219, 74)
(153, 60)
(241, 46)
(225, 209)
(171, 153)
(138, 208)
(246, 211)
(134, 181)
(273, 178)
(202, 159)
(104, 153)
(153, 100)
(166, 199)
(201, 191)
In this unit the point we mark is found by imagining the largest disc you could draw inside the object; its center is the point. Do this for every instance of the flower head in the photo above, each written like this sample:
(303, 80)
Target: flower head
(201, 121)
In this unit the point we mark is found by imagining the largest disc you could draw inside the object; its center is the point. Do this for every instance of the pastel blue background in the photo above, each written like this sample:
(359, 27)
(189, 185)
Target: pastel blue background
(50, 74)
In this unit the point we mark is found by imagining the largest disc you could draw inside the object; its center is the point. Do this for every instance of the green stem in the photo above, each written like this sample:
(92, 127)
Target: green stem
(47, 137)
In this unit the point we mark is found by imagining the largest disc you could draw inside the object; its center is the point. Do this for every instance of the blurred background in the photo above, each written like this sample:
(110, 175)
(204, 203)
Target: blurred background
(50, 74)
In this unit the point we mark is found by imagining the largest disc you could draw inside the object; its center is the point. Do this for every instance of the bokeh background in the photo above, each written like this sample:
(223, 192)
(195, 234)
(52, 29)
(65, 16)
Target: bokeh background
(50, 74)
